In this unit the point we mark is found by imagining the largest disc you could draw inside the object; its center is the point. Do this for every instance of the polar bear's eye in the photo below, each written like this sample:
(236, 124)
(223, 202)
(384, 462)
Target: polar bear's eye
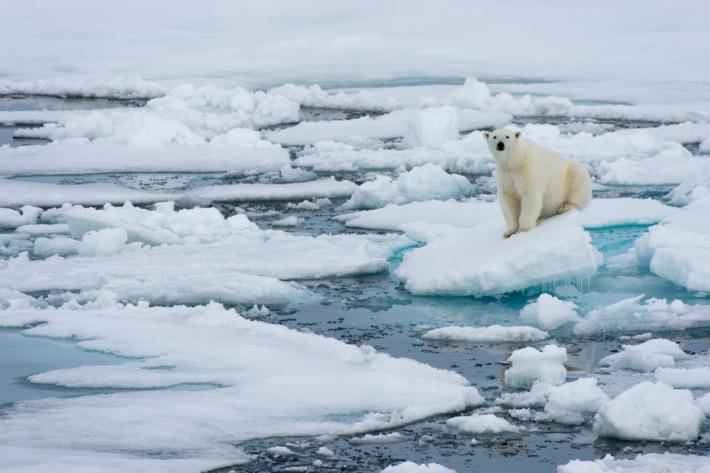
(495, 138)
(507, 137)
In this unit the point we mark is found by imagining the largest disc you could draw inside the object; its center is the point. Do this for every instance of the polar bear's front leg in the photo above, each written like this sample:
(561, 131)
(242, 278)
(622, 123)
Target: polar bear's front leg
(530, 208)
(510, 205)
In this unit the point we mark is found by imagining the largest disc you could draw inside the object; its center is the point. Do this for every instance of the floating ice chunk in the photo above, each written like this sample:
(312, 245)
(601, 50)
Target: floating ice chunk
(536, 397)
(678, 248)
(62, 246)
(472, 94)
(230, 287)
(369, 439)
(648, 463)
(431, 128)
(421, 183)
(267, 376)
(479, 262)
(624, 211)
(10, 218)
(684, 377)
(703, 403)
(600, 213)
(325, 452)
(654, 314)
(388, 126)
(16, 193)
(43, 228)
(156, 227)
(693, 188)
(257, 311)
(646, 356)
(290, 221)
(482, 424)
(549, 312)
(650, 411)
(530, 366)
(411, 467)
(493, 333)
(569, 402)
(126, 87)
(270, 253)
(106, 242)
(291, 191)
(78, 157)
(433, 212)
(280, 451)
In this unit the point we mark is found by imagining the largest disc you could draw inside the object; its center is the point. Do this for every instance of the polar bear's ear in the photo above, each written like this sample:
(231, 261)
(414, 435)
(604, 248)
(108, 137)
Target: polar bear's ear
(486, 135)
(517, 134)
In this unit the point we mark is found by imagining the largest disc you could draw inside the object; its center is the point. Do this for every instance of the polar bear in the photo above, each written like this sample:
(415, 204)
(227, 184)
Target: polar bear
(533, 181)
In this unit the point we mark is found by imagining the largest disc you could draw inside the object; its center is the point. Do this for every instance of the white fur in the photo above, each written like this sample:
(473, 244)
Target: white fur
(534, 182)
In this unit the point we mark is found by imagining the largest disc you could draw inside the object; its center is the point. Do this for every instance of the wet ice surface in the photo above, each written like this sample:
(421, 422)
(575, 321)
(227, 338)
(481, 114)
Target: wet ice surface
(378, 311)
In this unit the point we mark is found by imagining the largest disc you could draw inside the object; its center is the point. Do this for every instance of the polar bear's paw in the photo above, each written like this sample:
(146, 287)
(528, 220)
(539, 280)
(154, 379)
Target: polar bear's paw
(510, 232)
(566, 207)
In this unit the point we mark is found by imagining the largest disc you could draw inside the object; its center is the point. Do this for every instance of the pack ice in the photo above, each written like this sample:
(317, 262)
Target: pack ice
(477, 261)
(259, 380)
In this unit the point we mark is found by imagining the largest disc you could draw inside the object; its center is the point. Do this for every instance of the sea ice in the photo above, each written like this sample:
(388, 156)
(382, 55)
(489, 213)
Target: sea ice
(411, 467)
(631, 315)
(549, 312)
(10, 218)
(422, 183)
(648, 463)
(265, 377)
(482, 424)
(431, 128)
(650, 411)
(646, 356)
(478, 261)
(530, 366)
(493, 333)
(678, 248)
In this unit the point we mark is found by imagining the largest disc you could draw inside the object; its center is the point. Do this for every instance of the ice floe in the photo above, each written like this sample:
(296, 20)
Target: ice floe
(492, 333)
(411, 467)
(650, 411)
(477, 261)
(646, 356)
(10, 218)
(422, 183)
(648, 463)
(530, 366)
(632, 315)
(264, 375)
(549, 312)
(600, 213)
(482, 424)
(678, 248)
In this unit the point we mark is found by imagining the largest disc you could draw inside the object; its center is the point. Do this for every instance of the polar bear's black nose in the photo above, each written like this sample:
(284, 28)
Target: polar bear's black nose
(500, 146)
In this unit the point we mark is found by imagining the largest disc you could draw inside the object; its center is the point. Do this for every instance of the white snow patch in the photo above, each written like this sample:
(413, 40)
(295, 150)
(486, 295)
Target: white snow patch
(648, 463)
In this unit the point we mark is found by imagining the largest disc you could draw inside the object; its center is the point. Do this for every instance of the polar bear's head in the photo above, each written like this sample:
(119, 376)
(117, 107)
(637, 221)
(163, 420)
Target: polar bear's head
(501, 142)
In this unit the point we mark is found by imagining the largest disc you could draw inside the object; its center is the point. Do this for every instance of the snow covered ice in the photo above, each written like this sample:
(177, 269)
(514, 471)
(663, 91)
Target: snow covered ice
(209, 216)
(478, 262)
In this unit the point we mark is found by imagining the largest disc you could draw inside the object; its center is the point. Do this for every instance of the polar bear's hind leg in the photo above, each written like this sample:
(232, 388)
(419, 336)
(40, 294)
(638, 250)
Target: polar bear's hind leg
(580, 189)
